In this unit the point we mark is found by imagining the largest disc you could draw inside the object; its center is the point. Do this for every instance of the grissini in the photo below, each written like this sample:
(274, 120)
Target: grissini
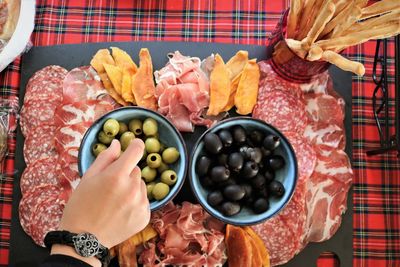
(305, 17)
(379, 8)
(296, 47)
(315, 53)
(13, 9)
(343, 63)
(350, 20)
(337, 20)
(293, 17)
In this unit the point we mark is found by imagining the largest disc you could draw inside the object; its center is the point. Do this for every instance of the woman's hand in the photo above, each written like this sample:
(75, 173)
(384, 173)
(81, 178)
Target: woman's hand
(111, 200)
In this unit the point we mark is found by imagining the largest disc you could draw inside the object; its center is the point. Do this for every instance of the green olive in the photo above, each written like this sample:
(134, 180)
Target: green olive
(148, 174)
(122, 127)
(98, 148)
(125, 139)
(163, 167)
(170, 155)
(169, 177)
(154, 160)
(150, 126)
(135, 126)
(104, 139)
(111, 127)
(152, 145)
(160, 191)
(150, 187)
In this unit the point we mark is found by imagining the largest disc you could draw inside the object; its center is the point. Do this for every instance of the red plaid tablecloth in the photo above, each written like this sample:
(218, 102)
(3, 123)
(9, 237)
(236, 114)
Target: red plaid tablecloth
(377, 179)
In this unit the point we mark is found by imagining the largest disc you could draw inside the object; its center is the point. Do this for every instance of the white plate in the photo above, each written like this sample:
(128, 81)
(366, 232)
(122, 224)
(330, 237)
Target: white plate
(22, 34)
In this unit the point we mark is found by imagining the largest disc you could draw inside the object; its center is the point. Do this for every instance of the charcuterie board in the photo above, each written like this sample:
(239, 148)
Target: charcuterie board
(23, 249)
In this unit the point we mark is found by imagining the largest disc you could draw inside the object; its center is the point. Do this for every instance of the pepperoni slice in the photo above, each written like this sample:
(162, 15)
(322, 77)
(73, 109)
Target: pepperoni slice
(40, 143)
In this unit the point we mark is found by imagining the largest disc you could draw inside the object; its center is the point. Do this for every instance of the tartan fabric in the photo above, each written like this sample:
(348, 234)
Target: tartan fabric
(377, 182)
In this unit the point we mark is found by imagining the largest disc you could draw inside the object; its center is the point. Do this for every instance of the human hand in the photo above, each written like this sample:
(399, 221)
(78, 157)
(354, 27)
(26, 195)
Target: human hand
(111, 199)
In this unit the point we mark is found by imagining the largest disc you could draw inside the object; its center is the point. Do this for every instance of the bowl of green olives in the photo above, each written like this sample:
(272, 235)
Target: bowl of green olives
(243, 171)
(164, 162)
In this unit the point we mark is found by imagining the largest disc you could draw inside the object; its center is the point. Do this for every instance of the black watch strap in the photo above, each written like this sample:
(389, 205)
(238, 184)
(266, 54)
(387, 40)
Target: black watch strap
(85, 244)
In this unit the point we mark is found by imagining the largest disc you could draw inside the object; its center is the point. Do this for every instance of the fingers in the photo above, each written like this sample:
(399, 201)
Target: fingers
(130, 158)
(136, 176)
(104, 159)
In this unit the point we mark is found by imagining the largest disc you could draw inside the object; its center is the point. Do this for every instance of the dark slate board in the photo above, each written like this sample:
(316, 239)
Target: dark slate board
(24, 252)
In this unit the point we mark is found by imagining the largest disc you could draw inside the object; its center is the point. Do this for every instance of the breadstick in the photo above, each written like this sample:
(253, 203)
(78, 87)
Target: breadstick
(305, 17)
(296, 47)
(379, 8)
(361, 3)
(350, 20)
(360, 37)
(341, 5)
(340, 18)
(343, 63)
(322, 19)
(294, 13)
(315, 53)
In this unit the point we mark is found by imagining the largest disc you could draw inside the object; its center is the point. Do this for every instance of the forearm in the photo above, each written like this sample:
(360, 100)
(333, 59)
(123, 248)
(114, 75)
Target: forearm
(69, 251)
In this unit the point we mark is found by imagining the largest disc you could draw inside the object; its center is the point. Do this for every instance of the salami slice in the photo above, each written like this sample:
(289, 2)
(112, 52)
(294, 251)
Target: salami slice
(46, 84)
(70, 136)
(36, 113)
(47, 217)
(40, 143)
(305, 154)
(282, 110)
(40, 172)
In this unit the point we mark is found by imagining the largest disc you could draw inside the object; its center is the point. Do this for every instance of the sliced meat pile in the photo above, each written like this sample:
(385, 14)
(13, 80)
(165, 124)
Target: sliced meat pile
(59, 106)
(188, 236)
(312, 118)
(183, 92)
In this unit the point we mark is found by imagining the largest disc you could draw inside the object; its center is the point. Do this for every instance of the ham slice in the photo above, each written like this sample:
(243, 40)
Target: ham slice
(183, 92)
(188, 236)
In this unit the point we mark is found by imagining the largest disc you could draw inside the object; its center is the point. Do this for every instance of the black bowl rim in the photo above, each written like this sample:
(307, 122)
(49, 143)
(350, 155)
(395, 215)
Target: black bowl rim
(170, 197)
(212, 211)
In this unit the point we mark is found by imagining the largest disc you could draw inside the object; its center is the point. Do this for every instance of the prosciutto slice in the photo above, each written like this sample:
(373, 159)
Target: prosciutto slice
(183, 92)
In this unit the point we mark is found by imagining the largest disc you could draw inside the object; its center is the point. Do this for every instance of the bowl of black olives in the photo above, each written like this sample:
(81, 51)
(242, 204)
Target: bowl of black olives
(164, 162)
(243, 171)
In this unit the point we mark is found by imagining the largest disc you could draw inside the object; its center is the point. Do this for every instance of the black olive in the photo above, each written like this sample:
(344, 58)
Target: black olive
(215, 198)
(269, 176)
(276, 162)
(219, 174)
(234, 192)
(230, 208)
(226, 138)
(239, 134)
(263, 192)
(256, 137)
(229, 181)
(248, 190)
(203, 165)
(223, 160)
(260, 205)
(276, 188)
(266, 152)
(258, 182)
(250, 169)
(271, 142)
(212, 143)
(246, 152)
(256, 155)
(235, 161)
(207, 182)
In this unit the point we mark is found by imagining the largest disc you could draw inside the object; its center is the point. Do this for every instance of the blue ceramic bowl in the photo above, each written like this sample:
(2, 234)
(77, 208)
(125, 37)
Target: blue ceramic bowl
(168, 135)
(287, 176)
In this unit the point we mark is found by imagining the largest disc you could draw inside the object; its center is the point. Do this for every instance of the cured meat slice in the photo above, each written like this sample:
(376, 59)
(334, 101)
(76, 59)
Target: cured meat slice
(46, 84)
(48, 215)
(281, 109)
(319, 85)
(77, 112)
(282, 234)
(327, 191)
(40, 172)
(305, 154)
(325, 108)
(82, 84)
(40, 143)
(325, 137)
(36, 113)
(70, 136)
(67, 166)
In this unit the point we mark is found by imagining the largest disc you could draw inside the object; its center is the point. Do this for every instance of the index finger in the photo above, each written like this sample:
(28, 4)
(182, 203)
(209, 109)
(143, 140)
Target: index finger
(130, 158)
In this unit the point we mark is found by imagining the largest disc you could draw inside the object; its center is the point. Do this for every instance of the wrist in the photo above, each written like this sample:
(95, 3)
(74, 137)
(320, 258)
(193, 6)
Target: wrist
(69, 251)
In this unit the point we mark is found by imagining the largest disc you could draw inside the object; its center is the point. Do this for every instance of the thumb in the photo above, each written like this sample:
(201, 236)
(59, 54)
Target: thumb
(104, 159)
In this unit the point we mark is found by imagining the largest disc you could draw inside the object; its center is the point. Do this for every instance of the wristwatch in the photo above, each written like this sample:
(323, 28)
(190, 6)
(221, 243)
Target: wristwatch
(85, 244)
